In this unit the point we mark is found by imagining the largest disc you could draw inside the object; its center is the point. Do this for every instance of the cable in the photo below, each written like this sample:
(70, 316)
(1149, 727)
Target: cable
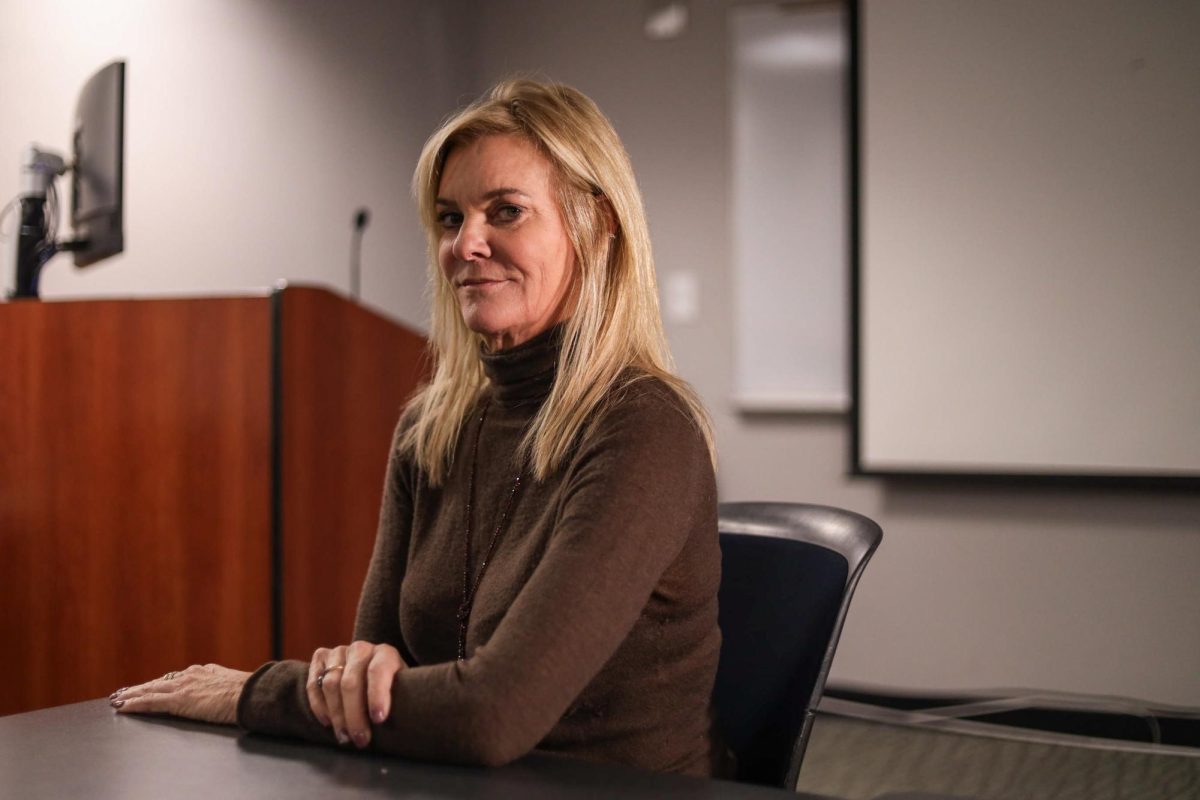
(51, 214)
(4, 212)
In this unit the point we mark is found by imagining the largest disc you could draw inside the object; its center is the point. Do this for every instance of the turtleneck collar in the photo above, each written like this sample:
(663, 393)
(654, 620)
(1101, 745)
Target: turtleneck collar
(524, 374)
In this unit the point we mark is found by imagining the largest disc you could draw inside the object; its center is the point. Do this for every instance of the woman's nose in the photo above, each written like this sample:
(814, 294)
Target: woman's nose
(472, 243)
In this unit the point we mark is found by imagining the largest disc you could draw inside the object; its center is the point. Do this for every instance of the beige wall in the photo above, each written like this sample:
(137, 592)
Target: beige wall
(269, 122)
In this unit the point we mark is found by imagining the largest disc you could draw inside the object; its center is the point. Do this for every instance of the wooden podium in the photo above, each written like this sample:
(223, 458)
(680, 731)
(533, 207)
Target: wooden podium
(187, 481)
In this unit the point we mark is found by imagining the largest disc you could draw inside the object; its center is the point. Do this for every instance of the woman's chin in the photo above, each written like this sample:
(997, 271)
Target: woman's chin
(502, 337)
(491, 328)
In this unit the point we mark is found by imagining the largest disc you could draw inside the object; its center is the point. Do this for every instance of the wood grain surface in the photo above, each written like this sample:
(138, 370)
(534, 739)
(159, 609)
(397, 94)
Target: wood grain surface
(136, 482)
(133, 492)
(346, 373)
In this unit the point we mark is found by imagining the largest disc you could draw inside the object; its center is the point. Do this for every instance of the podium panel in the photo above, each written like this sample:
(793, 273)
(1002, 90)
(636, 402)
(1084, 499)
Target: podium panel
(179, 478)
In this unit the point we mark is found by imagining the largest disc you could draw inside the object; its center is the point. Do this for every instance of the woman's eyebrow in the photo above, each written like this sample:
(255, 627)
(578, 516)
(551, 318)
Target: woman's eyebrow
(494, 193)
(491, 194)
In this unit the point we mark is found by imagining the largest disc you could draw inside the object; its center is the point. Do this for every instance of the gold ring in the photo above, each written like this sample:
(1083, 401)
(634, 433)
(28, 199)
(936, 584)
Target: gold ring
(324, 672)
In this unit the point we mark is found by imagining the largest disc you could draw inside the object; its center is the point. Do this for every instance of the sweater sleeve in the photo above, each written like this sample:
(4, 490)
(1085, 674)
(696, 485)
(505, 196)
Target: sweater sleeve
(633, 495)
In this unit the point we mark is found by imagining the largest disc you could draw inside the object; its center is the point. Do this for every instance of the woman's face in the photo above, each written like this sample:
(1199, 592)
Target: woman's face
(504, 246)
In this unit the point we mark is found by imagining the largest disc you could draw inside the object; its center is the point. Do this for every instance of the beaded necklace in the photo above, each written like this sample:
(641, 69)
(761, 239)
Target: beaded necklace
(469, 588)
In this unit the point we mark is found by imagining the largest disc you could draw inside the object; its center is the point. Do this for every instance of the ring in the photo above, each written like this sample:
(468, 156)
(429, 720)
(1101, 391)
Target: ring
(170, 676)
(324, 672)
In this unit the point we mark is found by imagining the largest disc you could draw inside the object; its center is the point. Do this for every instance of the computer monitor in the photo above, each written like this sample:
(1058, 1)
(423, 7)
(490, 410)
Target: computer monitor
(97, 180)
(97, 174)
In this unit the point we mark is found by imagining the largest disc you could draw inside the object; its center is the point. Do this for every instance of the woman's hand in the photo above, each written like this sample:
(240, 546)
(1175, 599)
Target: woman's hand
(208, 693)
(345, 684)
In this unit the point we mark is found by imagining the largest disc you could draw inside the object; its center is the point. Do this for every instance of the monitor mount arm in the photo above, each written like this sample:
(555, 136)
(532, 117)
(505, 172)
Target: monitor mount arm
(39, 169)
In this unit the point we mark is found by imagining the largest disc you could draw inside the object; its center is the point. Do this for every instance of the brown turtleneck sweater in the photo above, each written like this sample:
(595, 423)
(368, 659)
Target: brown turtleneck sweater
(594, 629)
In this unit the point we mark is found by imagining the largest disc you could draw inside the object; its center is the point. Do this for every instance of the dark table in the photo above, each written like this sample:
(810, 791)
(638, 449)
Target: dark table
(86, 750)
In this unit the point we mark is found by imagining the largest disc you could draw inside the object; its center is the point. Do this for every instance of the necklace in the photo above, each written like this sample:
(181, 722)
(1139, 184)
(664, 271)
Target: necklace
(469, 588)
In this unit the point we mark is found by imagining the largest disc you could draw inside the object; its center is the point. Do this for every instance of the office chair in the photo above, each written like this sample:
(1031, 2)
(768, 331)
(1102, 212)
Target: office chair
(788, 571)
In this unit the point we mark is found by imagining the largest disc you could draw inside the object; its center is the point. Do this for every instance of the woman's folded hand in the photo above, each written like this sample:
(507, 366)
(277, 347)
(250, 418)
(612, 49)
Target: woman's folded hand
(349, 687)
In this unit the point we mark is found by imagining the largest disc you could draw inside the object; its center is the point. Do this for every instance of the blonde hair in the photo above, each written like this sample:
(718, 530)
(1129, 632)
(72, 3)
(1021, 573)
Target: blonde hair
(615, 323)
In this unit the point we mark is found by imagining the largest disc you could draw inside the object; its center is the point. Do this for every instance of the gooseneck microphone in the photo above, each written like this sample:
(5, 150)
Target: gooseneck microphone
(361, 218)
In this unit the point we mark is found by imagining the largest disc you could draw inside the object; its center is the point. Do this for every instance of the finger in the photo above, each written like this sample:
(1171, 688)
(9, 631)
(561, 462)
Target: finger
(157, 684)
(129, 691)
(316, 698)
(354, 692)
(148, 703)
(331, 689)
(381, 673)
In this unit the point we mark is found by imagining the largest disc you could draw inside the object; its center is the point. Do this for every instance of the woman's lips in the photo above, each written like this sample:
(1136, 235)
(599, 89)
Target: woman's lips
(481, 283)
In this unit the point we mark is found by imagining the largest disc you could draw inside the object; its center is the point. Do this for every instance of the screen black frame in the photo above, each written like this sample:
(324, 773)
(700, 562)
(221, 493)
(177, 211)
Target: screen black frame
(99, 231)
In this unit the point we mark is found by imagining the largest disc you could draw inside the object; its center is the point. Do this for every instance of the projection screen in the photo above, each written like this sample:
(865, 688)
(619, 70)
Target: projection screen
(1027, 237)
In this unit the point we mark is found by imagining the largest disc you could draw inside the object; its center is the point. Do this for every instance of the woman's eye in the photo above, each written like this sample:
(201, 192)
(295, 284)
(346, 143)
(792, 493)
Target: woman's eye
(508, 213)
(450, 219)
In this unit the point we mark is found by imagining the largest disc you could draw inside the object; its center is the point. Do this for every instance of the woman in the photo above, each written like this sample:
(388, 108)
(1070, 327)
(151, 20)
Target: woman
(546, 567)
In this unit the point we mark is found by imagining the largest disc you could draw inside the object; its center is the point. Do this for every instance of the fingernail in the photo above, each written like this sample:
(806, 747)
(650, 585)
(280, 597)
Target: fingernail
(118, 703)
(378, 715)
(115, 694)
(342, 738)
(324, 720)
(360, 739)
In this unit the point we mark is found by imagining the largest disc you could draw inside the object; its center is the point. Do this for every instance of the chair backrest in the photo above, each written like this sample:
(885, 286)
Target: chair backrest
(788, 571)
